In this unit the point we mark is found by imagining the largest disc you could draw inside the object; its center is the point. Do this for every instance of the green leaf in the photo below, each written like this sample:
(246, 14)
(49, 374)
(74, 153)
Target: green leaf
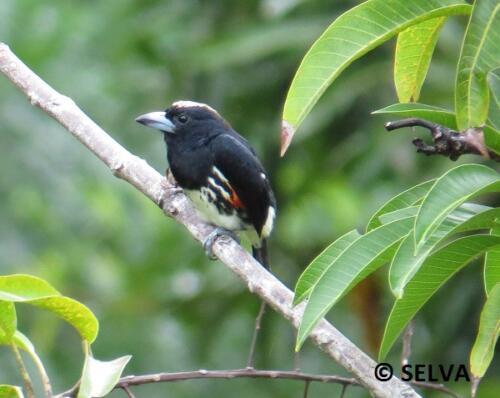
(414, 49)
(21, 287)
(487, 335)
(7, 391)
(8, 319)
(100, 377)
(350, 36)
(492, 138)
(405, 199)
(399, 214)
(434, 114)
(450, 191)
(493, 79)
(434, 272)
(406, 262)
(75, 313)
(480, 53)
(35, 291)
(492, 263)
(315, 269)
(357, 261)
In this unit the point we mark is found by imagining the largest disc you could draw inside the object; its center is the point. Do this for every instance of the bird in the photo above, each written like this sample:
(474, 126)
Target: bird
(220, 173)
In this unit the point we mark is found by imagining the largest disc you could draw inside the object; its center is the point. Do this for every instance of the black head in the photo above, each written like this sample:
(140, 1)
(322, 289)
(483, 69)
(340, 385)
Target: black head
(185, 118)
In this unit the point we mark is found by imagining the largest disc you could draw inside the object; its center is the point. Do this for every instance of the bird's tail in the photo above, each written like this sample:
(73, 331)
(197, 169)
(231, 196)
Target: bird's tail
(260, 254)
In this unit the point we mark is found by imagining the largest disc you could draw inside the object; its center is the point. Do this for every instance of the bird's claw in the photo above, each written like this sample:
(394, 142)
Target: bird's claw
(209, 242)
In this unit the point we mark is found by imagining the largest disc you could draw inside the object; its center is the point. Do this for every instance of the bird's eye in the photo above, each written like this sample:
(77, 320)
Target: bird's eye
(182, 118)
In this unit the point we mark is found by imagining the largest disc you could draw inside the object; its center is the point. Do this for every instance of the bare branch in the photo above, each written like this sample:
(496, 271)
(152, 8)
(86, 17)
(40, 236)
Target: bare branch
(138, 173)
(130, 381)
(233, 374)
(447, 142)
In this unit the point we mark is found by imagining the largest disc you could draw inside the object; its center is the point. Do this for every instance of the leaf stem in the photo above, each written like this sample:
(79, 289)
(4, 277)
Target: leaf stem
(43, 374)
(24, 372)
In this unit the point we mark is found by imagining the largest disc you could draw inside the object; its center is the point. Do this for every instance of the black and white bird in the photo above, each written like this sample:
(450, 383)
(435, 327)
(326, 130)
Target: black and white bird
(219, 171)
(221, 174)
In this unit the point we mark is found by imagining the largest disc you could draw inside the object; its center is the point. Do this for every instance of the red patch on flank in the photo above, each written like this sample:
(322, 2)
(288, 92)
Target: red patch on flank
(235, 200)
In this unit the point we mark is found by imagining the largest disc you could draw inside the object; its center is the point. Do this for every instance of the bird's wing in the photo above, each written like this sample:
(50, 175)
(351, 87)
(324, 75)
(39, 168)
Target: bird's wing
(235, 160)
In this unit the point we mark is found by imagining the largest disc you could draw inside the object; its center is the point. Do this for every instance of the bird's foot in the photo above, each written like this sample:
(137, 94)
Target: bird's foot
(167, 189)
(210, 240)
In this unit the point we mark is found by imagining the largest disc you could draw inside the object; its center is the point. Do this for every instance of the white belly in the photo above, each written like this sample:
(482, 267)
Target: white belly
(209, 212)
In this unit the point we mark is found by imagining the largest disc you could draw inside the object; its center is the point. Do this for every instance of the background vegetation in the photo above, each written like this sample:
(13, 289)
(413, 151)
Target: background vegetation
(157, 297)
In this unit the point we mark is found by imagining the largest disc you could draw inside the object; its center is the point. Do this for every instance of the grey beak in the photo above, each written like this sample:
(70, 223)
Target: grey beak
(156, 120)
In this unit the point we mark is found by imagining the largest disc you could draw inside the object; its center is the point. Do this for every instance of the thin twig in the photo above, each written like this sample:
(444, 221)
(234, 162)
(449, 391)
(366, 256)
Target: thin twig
(343, 391)
(253, 344)
(306, 388)
(447, 142)
(28, 385)
(137, 172)
(233, 374)
(127, 391)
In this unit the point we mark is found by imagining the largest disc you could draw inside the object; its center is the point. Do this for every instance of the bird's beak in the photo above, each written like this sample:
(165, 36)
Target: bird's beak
(156, 120)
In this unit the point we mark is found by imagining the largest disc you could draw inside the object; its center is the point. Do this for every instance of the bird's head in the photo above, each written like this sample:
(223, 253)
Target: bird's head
(184, 118)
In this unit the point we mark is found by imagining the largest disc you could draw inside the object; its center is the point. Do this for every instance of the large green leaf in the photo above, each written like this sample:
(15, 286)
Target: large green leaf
(480, 54)
(450, 191)
(440, 116)
(350, 36)
(316, 268)
(405, 199)
(362, 257)
(7, 391)
(487, 335)
(100, 377)
(406, 261)
(414, 49)
(434, 272)
(492, 262)
(35, 291)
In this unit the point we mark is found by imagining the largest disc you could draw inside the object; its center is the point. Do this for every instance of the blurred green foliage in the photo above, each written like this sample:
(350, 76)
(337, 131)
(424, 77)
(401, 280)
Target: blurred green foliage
(65, 218)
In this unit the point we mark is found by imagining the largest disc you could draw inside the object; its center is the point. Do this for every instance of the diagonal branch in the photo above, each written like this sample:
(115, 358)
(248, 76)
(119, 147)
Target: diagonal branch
(137, 172)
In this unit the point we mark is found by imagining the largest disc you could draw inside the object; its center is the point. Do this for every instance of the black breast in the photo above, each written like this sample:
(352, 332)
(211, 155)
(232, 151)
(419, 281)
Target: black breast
(190, 164)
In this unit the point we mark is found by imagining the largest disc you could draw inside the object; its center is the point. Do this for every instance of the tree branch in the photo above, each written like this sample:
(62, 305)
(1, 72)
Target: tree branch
(447, 142)
(137, 172)
(130, 381)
